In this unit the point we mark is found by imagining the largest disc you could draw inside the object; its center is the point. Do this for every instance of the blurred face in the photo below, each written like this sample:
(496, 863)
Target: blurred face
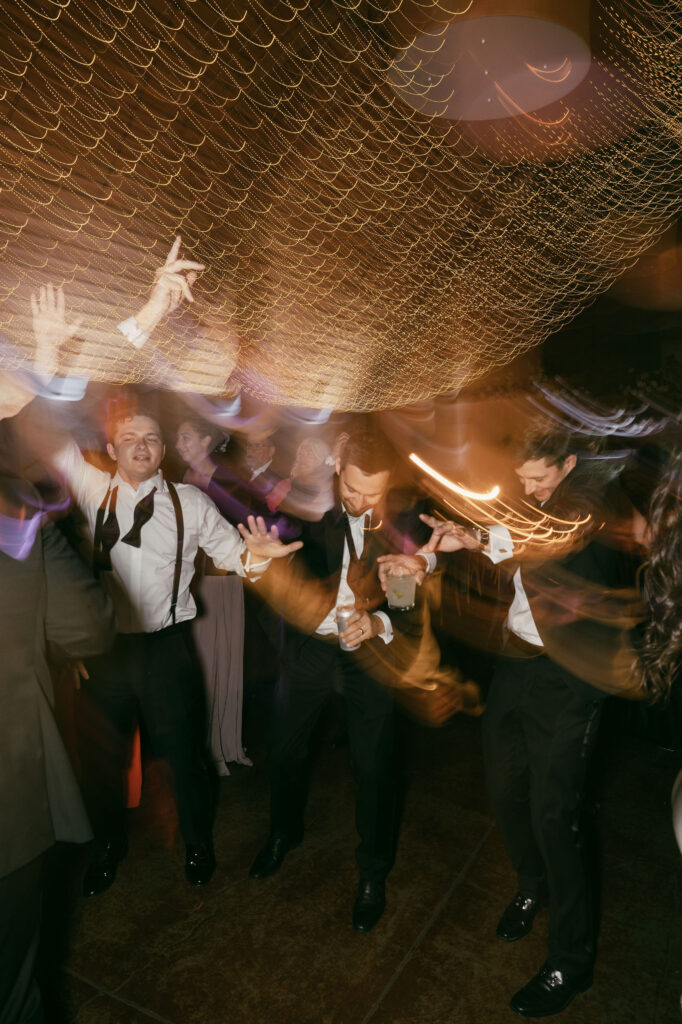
(539, 479)
(137, 448)
(191, 446)
(361, 491)
(258, 453)
(306, 460)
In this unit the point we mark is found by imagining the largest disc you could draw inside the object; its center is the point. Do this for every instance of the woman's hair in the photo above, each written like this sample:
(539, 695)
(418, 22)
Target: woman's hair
(660, 654)
(204, 428)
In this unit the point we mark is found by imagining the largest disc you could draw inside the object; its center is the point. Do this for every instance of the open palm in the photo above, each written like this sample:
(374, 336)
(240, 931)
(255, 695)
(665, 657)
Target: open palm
(263, 542)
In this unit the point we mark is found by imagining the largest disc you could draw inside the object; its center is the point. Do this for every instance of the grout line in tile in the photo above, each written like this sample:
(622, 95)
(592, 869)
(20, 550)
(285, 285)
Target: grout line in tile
(437, 911)
(118, 999)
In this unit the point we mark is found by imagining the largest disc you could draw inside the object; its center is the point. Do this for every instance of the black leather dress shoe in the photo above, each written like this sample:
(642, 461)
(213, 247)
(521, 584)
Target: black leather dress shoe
(101, 873)
(549, 992)
(269, 859)
(200, 863)
(369, 905)
(517, 919)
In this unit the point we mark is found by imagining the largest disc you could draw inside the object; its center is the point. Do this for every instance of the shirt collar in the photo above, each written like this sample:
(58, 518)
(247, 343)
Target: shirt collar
(146, 485)
(356, 519)
(261, 469)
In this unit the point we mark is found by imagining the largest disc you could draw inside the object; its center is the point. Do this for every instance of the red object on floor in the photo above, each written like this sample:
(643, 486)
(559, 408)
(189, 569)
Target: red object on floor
(135, 772)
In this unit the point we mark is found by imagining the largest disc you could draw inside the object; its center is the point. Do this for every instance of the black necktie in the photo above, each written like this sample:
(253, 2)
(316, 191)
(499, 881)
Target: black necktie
(107, 532)
(144, 510)
(349, 537)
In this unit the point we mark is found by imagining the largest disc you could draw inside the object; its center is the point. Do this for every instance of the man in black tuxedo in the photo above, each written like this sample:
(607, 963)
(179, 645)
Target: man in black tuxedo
(145, 533)
(247, 485)
(337, 568)
(543, 709)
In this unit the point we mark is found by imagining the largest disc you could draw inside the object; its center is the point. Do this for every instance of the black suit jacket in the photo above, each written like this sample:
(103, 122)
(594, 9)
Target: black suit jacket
(304, 589)
(584, 600)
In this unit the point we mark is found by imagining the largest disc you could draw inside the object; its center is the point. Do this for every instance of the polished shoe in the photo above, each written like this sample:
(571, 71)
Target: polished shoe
(517, 919)
(200, 863)
(269, 859)
(101, 873)
(549, 992)
(369, 905)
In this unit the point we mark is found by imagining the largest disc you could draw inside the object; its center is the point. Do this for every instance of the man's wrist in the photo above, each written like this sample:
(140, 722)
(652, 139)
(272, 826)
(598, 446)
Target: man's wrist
(385, 631)
(428, 559)
(254, 565)
(134, 331)
(149, 316)
(377, 625)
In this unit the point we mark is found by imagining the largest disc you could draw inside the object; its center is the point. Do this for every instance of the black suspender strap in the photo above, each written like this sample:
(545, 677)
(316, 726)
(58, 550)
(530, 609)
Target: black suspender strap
(106, 532)
(180, 523)
(99, 519)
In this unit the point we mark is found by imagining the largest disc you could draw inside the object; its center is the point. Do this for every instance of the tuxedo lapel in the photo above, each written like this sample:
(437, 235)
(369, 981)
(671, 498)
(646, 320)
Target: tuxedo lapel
(334, 537)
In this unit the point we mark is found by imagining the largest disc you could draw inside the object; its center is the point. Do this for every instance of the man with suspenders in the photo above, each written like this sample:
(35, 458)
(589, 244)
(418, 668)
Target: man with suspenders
(145, 533)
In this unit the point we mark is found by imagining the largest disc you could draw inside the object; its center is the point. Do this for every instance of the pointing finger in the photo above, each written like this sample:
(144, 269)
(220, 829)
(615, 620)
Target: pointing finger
(174, 250)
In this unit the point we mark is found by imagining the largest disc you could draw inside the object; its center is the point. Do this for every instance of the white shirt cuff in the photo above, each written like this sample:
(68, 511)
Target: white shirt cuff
(430, 559)
(387, 634)
(61, 389)
(500, 545)
(255, 569)
(131, 330)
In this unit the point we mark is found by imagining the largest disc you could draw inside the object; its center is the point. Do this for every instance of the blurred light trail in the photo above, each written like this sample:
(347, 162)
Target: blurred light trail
(473, 495)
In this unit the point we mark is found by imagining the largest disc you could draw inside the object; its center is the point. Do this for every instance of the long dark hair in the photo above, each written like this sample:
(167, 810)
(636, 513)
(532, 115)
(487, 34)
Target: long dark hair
(660, 655)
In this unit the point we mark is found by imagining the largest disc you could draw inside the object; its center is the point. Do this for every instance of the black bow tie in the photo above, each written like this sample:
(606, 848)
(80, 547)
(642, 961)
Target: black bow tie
(144, 510)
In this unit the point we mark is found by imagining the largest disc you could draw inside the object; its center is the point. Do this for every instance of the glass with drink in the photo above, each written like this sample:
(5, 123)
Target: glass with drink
(400, 591)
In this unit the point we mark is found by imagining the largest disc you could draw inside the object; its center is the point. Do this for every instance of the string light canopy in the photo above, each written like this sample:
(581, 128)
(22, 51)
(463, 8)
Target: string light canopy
(363, 251)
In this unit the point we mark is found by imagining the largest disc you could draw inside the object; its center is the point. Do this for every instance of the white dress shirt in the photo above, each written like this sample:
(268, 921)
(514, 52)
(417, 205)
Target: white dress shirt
(520, 619)
(141, 579)
(345, 596)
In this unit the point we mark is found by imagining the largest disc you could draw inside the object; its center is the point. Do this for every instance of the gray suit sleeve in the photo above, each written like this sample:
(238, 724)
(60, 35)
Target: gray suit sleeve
(79, 616)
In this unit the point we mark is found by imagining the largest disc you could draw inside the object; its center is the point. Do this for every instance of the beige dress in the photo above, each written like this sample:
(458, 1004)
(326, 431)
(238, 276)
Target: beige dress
(218, 632)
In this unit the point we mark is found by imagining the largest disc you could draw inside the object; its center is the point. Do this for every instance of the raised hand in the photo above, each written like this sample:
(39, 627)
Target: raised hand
(50, 327)
(448, 536)
(172, 284)
(265, 543)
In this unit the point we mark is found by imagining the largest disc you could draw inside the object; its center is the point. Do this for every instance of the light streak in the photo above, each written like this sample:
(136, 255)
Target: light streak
(540, 530)
(457, 488)
(516, 110)
(553, 75)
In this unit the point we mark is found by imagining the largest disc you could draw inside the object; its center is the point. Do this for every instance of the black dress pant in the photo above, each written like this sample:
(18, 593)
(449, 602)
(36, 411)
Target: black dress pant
(310, 669)
(20, 913)
(539, 730)
(150, 677)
